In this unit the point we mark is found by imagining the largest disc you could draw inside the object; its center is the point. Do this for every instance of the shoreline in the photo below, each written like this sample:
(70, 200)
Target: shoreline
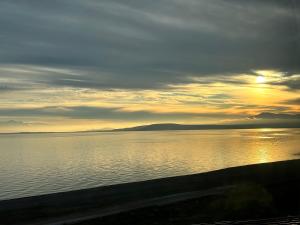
(66, 204)
(180, 128)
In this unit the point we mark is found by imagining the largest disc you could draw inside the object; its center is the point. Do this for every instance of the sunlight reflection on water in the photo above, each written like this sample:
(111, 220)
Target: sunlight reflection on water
(45, 163)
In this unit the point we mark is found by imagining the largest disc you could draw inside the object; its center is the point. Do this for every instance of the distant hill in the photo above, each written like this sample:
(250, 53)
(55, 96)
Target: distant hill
(174, 126)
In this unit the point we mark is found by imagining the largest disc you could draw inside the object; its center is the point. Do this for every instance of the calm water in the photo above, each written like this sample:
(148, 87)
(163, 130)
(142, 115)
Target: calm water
(32, 164)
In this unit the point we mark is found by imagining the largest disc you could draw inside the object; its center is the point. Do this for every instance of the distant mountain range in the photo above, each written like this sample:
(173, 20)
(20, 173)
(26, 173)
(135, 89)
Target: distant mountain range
(173, 126)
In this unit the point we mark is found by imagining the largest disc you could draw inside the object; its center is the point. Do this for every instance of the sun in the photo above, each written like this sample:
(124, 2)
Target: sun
(260, 79)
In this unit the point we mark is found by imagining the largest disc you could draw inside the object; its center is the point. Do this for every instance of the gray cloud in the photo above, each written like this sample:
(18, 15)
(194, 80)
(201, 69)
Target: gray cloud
(145, 44)
(18, 123)
(100, 113)
(293, 84)
(277, 116)
(294, 101)
(12, 123)
(4, 88)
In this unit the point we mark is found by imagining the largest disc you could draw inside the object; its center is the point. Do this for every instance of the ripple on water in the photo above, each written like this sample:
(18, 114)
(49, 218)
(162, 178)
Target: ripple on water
(41, 164)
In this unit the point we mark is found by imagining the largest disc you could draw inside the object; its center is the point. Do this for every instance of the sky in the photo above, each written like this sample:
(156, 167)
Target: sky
(70, 65)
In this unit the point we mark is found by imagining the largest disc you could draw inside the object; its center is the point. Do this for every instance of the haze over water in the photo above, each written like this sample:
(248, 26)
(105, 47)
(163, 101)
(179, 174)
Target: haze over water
(34, 164)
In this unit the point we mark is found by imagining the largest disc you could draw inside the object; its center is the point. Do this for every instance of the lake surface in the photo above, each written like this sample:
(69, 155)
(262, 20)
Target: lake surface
(33, 164)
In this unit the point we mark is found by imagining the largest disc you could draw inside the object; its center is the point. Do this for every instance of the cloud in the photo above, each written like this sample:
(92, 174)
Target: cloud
(144, 44)
(18, 123)
(294, 101)
(101, 113)
(291, 81)
(12, 123)
(293, 84)
(4, 88)
(277, 116)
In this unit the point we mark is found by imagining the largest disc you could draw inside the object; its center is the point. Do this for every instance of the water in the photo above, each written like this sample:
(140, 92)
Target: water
(33, 164)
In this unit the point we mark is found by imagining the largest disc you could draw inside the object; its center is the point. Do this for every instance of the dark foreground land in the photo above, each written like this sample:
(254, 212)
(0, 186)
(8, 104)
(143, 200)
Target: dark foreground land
(241, 193)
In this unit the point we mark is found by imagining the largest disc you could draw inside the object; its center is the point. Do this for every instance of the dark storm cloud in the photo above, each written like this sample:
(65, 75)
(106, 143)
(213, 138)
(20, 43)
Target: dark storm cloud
(100, 113)
(147, 44)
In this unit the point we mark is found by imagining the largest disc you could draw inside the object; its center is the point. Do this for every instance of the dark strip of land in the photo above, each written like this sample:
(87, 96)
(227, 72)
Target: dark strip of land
(173, 126)
(281, 179)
